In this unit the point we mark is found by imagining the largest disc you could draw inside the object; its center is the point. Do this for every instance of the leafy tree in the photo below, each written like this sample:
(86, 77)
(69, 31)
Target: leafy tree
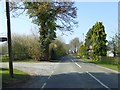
(109, 45)
(67, 47)
(45, 15)
(82, 51)
(99, 41)
(114, 45)
(74, 44)
(118, 39)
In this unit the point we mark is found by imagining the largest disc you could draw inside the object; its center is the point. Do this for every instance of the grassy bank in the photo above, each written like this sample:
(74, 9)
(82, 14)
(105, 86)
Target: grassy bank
(4, 58)
(19, 76)
(108, 62)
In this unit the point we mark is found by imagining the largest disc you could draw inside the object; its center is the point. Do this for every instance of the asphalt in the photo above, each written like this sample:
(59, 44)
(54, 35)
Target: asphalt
(74, 73)
(70, 73)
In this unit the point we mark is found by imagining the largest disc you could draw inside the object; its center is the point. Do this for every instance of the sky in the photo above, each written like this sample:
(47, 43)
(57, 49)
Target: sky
(88, 14)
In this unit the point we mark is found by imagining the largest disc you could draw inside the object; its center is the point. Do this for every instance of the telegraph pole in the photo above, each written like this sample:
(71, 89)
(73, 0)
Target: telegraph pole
(9, 39)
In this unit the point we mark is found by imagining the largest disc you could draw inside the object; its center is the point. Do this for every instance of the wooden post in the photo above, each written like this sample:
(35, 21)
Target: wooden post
(9, 39)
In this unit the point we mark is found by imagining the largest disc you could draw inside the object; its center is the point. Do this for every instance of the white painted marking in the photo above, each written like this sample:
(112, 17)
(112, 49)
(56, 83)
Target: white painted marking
(72, 60)
(98, 80)
(78, 65)
(43, 85)
(49, 77)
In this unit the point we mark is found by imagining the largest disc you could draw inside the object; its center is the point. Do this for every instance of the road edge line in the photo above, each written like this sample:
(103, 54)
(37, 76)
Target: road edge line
(49, 77)
(100, 66)
(98, 80)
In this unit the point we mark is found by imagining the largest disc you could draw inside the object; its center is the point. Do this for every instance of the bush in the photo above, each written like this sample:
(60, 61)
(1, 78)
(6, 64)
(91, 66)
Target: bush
(82, 51)
(57, 49)
(25, 47)
(3, 58)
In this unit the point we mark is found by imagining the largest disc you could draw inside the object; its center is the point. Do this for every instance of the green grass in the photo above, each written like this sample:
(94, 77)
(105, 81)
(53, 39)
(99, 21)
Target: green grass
(26, 60)
(19, 76)
(107, 65)
(107, 62)
(114, 67)
(4, 58)
(104, 64)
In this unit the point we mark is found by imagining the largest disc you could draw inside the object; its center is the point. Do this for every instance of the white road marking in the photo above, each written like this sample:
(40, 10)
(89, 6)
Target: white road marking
(43, 85)
(98, 80)
(78, 65)
(72, 60)
(49, 77)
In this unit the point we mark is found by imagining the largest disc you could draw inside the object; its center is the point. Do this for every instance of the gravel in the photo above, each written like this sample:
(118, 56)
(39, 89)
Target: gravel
(41, 68)
(38, 71)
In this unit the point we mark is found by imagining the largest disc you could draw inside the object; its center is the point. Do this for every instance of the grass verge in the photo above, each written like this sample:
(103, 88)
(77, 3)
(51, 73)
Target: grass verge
(26, 60)
(107, 65)
(4, 58)
(101, 63)
(19, 76)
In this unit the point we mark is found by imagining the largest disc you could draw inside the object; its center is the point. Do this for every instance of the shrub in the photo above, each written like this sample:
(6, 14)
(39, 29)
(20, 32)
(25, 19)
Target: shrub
(57, 49)
(82, 51)
(25, 47)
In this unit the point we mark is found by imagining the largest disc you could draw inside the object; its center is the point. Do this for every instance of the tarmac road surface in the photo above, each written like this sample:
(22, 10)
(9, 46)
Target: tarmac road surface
(68, 73)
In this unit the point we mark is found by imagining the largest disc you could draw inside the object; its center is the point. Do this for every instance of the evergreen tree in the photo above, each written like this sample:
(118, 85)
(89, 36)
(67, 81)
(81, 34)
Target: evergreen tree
(99, 40)
(96, 38)
(88, 43)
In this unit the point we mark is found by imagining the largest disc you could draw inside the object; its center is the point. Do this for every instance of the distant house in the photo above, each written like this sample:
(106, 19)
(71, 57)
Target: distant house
(110, 54)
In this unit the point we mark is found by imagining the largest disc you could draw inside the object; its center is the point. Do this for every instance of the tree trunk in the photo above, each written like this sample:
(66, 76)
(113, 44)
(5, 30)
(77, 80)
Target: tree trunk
(46, 53)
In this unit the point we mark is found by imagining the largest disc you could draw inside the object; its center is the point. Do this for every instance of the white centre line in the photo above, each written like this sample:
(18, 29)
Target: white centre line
(72, 60)
(49, 77)
(98, 81)
(78, 65)
(43, 85)
(45, 82)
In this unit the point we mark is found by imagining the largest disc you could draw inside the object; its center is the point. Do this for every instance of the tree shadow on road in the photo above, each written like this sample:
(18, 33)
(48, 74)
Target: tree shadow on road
(73, 80)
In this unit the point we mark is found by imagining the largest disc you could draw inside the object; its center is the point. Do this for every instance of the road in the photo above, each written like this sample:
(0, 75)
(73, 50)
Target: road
(72, 73)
